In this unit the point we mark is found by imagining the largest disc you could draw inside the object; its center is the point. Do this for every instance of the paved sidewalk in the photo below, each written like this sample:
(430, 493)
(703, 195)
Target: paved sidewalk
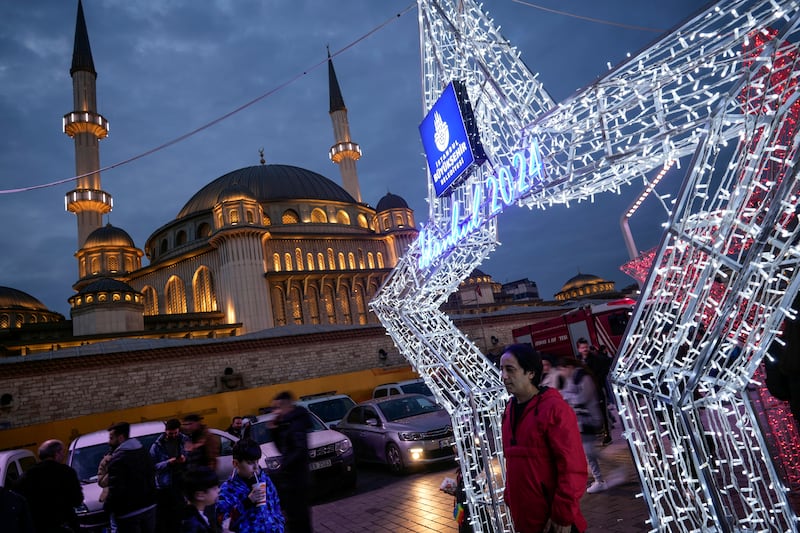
(415, 504)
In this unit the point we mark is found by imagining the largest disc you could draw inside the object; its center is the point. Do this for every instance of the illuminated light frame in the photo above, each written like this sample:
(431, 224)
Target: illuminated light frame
(681, 389)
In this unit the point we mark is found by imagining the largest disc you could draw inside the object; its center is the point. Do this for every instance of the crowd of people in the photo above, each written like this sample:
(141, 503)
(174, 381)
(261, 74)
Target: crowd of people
(173, 486)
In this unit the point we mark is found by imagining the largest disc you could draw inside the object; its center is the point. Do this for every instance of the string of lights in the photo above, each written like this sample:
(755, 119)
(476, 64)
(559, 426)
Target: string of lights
(721, 88)
(219, 119)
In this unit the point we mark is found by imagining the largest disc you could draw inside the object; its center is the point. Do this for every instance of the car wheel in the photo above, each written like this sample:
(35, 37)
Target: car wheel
(395, 459)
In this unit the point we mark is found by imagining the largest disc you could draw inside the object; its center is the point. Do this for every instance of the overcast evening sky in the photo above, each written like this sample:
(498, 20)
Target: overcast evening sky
(168, 67)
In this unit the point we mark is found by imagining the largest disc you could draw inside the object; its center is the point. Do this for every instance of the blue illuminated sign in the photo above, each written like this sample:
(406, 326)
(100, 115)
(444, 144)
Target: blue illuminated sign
(450, 138)
(503, 188)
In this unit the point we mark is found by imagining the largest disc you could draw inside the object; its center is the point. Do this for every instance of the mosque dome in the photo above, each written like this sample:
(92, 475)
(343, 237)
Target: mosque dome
(391, 201)
(109, 235)
(14, 299)
(585, 286)
(235, 192)
(268, 183)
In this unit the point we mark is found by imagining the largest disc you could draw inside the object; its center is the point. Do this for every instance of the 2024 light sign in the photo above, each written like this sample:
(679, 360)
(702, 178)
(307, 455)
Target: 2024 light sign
(503, 188)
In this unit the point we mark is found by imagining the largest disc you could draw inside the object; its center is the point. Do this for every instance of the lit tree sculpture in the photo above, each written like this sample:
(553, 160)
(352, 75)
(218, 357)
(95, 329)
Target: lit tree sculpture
(721, 89)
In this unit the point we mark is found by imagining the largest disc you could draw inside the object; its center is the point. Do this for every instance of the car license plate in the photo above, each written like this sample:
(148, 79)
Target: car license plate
(316, 465)
(445, 443)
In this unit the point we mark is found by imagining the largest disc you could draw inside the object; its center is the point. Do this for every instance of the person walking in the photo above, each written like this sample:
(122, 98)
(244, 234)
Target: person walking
(131, 499)
(292, 424)
(203, 447)
(545, 463)
(52, 490)
(169, 460)
(580, 392)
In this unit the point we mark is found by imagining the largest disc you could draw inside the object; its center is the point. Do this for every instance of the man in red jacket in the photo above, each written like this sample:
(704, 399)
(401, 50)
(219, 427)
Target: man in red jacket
(546, 470)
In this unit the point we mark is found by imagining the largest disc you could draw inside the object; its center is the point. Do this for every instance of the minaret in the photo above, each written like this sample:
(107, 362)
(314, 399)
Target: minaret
(344, 152)
(86, 126)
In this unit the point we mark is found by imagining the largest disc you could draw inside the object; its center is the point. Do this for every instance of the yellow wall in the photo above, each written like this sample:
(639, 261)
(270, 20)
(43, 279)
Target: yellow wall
(217, 409)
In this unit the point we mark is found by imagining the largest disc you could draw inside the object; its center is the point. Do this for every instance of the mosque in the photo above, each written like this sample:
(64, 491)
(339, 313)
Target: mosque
(260, 247)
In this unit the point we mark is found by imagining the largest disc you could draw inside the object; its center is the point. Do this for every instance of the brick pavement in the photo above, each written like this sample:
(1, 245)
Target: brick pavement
(416, 504)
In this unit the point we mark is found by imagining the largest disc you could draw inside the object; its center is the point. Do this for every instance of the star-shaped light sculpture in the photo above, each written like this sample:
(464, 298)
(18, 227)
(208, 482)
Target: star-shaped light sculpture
(721, 90)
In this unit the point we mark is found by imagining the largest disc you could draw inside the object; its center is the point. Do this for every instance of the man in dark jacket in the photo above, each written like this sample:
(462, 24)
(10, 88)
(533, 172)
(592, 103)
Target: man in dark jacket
(292, 424)
(131, 497)
(169, 460)
(52, 490)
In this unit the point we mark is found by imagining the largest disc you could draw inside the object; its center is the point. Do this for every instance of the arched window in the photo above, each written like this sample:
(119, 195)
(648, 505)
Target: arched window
(370, 260)
(380, 260)
(313, 305)
(205, 297)
(331, 262)
(298, 256)
(18, 321)
(351, 260)
(164, 245)
(290, 217)
(267, 220)
(83, 267)
(330, 308)
(203, 230)
(361, 259)
(341, 261)
(342, 217)
(318, 216)
(320, 261)
(297, 306)
(344, 304)
(276, 262)
(361, 306)
(180, 238)
(95, 265)
(279, 306)
(128, 264)
(287, 258)
(250, 217)
(175, 296)
(362, 221)
(113, 263)
(310, 261)
(233, 214)
(398, 219)
(5, 321)
(150, 301)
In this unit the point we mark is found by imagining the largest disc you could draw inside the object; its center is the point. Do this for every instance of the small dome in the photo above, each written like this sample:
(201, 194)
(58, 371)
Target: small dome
(582, 280)
(109, 236)
(235, 192)
(14, 299)
(391, 201)
(106, 285)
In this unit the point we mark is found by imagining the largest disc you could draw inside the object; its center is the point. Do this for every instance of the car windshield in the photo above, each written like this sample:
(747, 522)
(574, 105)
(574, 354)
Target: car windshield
(398, 408)
(85, 460)
(331, 410)
(418, 387)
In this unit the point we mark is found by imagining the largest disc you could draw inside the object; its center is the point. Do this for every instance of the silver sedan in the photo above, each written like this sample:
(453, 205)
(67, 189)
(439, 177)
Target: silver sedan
(401, 431)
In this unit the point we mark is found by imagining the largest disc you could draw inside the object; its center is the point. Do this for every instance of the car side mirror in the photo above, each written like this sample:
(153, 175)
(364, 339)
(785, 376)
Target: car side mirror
(372, 422)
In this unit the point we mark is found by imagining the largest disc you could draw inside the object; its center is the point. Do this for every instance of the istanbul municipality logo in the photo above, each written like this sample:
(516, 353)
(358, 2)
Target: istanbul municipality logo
(441, 135)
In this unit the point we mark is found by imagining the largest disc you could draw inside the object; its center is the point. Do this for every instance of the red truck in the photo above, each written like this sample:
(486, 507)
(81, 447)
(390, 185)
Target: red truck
(601, 324)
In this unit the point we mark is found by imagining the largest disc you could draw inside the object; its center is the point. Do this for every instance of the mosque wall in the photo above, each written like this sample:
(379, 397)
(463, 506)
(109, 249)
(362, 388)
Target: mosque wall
(48, 389)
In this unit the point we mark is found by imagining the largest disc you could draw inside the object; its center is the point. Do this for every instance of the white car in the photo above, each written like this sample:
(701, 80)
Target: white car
(330, 453)
(85, 454)
(409, 386)
(14, 463)
(328, 406)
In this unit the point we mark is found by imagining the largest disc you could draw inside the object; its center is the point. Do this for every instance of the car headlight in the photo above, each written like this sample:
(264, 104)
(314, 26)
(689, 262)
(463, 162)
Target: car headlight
(343, 446)
(410, 435)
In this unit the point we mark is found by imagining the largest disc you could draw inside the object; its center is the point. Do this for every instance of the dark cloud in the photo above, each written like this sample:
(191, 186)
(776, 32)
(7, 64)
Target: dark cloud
(166, 68)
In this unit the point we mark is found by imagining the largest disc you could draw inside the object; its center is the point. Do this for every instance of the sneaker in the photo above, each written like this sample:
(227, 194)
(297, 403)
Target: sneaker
(597, 486)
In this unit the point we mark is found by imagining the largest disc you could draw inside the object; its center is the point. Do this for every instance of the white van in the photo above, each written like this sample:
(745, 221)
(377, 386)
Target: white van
(328, 406)
(409, 386)
(85, 454)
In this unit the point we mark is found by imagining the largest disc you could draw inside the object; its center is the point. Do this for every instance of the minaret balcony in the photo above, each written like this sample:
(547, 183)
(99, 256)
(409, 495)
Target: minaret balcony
(349, 150)
(79, 200)
(77, 122)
